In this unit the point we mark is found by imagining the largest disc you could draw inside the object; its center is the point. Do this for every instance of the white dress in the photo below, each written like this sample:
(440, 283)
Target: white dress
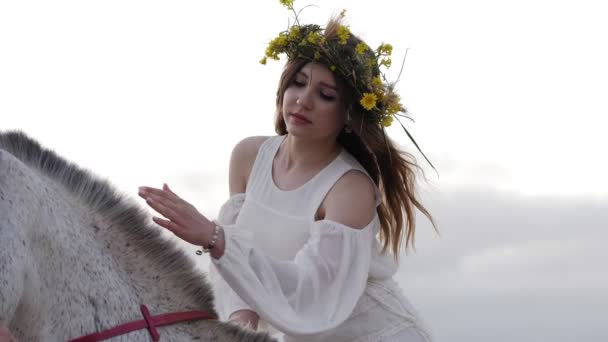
(307, 280)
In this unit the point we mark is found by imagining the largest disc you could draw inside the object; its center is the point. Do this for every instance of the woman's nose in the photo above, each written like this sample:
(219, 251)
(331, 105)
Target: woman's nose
(305, 98)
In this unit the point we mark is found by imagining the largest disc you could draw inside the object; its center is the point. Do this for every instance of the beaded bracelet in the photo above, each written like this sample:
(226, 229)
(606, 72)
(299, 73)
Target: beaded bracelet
(216, 234)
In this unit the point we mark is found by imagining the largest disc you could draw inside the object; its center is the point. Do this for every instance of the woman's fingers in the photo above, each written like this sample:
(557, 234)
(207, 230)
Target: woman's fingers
(166, 188)
(170, 225)
(245, 318)
(5, 334)
(147, 191)
(167, 194)
(163, 209)
(164, 202)
(179, 231)
(181, 217)
(181, 214)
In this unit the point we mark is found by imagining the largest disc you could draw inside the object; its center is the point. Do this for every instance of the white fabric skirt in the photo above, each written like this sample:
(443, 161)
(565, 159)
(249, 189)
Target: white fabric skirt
(408, 335)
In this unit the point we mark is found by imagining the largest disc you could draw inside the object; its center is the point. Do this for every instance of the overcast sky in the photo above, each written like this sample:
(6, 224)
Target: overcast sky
(509, 100)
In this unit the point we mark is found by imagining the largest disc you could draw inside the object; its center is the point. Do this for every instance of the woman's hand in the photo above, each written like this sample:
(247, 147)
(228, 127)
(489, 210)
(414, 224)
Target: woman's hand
(246, 318)
(183, 218)
(5, 334)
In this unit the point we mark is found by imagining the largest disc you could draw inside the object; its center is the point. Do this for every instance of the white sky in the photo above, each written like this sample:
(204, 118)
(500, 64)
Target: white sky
(507, 96)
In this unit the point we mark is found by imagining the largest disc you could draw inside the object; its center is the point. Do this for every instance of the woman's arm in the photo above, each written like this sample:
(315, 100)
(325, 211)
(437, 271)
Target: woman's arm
(317, 290)
(314, 292)
(241, 162)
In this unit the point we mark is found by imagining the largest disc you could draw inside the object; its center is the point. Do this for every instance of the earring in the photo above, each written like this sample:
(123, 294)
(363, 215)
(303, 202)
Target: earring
(348, 127)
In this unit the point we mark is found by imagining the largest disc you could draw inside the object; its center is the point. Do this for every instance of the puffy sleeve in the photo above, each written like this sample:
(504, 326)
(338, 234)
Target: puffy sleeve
(226, 300)
(314, 292)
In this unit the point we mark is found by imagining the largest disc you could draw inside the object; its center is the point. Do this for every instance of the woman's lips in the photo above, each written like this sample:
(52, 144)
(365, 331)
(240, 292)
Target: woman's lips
(299, 119)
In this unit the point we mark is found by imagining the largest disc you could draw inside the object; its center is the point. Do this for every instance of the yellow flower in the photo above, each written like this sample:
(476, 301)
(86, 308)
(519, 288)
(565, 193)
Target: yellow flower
(393, 107)
(281, 40)
(332, 67)
(387, 121)
(361, 48)
(314, 37)
(379, 95)
(343, 34)
(294, 32)
(393, 103)
(377, 82)
(386, 49)
(263, 61)
(368, 101)
(386, 62)
(275, 46)
(287, 3)
(271, 52)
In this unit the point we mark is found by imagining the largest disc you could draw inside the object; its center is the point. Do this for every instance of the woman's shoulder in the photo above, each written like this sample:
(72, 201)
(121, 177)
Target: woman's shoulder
(242, 160)
(248, 147)
(351, 200)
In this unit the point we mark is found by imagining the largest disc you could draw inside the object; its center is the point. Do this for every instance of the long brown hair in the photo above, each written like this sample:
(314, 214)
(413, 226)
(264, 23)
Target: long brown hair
(394, 171)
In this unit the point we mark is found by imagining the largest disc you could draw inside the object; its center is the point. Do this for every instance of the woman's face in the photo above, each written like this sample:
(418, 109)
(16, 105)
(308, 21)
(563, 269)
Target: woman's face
(312, 107)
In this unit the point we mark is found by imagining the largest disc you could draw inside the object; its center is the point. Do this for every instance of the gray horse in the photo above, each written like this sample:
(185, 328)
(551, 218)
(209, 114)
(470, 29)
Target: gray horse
(77, 257)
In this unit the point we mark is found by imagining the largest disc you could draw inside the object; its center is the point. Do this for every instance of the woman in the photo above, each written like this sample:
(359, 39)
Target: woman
(294, 250)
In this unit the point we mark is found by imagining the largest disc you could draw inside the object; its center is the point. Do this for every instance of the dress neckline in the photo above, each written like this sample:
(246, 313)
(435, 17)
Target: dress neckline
(273, 155)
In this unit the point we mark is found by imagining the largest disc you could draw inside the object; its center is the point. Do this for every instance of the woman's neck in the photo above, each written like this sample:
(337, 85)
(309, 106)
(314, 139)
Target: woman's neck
(302, 154)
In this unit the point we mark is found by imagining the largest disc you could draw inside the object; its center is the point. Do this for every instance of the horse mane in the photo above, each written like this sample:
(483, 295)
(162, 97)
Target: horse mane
(120, 211)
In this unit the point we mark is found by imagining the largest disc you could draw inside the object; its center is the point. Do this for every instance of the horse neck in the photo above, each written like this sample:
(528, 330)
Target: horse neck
(69, 268)
(73, 249)
(152, 267)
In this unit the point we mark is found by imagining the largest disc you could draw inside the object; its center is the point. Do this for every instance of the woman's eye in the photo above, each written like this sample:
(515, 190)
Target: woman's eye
(302, 83)
(328, 97)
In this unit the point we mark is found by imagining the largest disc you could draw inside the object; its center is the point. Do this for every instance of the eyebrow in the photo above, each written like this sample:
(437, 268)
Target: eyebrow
(331, 86)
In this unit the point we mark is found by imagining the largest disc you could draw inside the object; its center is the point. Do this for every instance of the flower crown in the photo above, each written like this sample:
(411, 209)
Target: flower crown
(358, 66)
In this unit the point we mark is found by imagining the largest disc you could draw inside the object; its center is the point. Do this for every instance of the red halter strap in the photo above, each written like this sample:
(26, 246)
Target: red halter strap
(149, 322)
